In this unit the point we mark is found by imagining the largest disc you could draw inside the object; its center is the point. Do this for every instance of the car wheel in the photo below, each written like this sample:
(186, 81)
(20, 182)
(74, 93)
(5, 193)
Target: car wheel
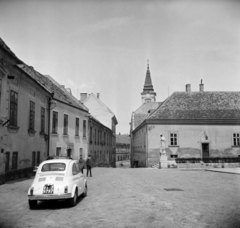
(73, 201)
(85, 191)
(32, 204)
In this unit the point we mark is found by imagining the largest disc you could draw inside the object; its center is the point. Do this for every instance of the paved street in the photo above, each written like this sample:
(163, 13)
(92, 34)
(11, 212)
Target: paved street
(125, 197)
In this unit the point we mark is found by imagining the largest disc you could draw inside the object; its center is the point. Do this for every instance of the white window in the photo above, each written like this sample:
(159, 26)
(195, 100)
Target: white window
(173, 139)
(236, 139)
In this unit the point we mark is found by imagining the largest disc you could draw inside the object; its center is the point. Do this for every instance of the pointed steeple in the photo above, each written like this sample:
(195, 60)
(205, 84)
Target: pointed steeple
(148, 81)
(148, 94)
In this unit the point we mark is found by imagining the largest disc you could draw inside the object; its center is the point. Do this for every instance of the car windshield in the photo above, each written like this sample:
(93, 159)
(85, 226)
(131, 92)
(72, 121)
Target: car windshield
(53, 167)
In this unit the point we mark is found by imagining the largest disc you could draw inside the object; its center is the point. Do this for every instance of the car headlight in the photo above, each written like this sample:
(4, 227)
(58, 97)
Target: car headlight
(66, 189)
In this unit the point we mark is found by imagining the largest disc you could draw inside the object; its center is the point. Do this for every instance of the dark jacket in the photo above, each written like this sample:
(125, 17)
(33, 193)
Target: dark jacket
(81, 163)
(89, 162)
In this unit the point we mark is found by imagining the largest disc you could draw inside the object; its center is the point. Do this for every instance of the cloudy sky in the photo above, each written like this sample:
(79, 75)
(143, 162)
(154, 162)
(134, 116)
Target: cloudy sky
(102, 46)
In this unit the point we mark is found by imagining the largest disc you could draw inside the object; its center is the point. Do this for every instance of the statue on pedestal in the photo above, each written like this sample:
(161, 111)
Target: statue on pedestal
(162, 145)
(163, 155)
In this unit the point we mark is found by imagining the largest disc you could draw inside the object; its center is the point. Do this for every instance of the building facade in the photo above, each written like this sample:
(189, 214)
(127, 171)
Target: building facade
(105, 116)
(122, 147)
(149, 104)
(194, 124)
(100, 143)
(68, 124)
(23, 118)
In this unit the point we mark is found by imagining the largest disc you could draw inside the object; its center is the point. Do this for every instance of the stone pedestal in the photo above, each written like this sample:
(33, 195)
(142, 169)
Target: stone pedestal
(163, 162)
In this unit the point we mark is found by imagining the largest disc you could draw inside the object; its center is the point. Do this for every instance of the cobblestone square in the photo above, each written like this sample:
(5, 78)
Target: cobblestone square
(125, 197)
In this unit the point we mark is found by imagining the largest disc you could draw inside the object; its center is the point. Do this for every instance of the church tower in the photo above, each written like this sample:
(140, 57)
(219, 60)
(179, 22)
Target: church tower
(148, 94)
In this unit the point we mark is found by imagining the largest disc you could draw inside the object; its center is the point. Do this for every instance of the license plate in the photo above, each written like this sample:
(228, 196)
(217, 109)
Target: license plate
(48, 189)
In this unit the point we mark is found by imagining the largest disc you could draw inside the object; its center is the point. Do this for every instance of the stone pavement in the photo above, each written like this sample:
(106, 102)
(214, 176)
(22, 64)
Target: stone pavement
(131, 198)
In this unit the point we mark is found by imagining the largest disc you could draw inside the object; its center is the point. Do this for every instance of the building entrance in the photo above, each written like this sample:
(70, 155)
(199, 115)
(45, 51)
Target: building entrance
(69, 152)
(205, 150)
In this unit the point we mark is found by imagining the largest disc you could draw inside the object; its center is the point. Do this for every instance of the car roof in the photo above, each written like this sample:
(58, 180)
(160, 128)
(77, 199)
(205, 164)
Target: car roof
(58, 157)
(66, 161)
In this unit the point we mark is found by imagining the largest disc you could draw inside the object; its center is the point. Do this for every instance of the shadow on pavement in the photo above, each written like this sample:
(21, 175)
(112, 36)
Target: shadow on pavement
(19, 180)
(55, 204)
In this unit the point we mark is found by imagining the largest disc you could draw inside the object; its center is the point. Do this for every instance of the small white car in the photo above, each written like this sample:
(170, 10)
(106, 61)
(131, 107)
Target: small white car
(57, 179)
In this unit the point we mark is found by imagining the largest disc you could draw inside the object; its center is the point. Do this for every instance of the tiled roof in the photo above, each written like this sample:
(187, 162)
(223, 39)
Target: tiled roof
(6, 48)
(122, 139)
(97, 121)
(52, 86)
(144, 111)
(199, 105)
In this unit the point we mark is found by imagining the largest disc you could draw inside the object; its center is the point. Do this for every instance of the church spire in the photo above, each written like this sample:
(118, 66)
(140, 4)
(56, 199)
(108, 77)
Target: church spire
(148, 94)
(148, 81)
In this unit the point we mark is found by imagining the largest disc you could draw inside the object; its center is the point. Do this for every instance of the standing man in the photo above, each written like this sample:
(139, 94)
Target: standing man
(89, 165)
(81, 164)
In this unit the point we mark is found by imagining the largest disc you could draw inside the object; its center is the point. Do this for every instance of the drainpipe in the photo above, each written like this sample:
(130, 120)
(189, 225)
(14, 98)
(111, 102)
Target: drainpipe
(49, 118)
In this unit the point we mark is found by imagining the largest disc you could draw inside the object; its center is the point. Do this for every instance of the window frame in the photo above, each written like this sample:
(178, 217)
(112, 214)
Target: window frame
(77, 126)
(236, 139)
(7, 159)
(13, 114)
(33, 158)
(84, 128)
(31, 126)
(175, 137)
(54, 122)
(43, 112)
(65, 124)
(90, 138)
(95, 136)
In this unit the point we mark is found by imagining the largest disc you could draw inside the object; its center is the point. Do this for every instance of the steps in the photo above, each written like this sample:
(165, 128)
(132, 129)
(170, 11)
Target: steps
(155, 166)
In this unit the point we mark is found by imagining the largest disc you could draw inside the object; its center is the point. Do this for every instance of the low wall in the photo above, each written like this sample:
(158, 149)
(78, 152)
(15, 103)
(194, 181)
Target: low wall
(16, 174)
(208, 165)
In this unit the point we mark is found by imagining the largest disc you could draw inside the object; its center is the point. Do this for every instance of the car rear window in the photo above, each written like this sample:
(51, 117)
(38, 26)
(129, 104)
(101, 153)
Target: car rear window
(53, 167)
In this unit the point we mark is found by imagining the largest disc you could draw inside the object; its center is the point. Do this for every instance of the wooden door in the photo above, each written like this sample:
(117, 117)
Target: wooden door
(205, 150)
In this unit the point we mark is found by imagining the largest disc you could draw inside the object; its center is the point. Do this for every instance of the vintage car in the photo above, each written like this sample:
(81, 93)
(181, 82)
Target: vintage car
(57, 179)
(49, 158)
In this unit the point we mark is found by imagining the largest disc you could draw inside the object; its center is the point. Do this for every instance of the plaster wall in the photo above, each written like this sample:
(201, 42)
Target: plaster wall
(190, 139)
(20, 140)
(139, 147)
(99, 112)
(70, 141)
(101, 152)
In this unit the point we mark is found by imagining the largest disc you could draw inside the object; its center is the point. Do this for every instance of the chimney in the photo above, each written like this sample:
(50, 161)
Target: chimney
(98, 95)
(201, 89)
(83, 96)
(188, 88)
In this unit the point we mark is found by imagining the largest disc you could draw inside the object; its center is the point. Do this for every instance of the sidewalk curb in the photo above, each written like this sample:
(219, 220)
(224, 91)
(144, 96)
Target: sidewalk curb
(222, 171)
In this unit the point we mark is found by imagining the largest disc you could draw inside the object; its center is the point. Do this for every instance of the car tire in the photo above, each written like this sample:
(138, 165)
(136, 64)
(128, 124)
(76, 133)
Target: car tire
(73, 201)
(85, 191)
(32, 204)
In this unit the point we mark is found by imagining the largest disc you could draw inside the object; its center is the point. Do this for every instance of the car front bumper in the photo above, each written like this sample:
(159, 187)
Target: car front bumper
(50, 197)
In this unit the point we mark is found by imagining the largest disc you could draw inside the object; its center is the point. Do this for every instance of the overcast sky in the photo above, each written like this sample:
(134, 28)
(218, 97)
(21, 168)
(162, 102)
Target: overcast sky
(102, 46)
